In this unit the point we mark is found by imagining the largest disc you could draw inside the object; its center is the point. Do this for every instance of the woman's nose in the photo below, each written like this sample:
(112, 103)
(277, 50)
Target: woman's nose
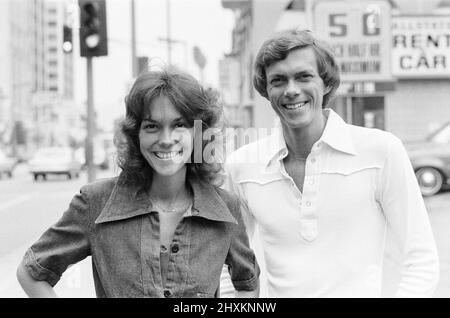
(168, 138)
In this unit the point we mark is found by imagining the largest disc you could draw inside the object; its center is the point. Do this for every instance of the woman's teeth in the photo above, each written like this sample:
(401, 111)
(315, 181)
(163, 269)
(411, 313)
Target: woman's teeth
(294, 106)
(167, 155)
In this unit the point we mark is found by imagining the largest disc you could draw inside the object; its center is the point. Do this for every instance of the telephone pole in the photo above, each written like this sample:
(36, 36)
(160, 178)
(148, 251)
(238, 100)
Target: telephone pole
(169, 41)
(134, 64)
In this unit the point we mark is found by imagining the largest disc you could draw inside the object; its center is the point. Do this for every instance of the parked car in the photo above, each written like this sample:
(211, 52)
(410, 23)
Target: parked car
(431, 160)
(54, 160)
(7, 165)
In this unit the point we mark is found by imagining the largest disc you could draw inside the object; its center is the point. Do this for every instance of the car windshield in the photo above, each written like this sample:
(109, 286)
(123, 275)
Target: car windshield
(441, 135)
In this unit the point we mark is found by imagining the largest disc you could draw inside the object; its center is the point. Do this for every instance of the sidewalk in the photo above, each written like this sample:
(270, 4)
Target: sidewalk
(76, 282)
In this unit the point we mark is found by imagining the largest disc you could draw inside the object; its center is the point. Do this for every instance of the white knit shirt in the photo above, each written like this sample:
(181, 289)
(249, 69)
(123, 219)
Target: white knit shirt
(329, 240)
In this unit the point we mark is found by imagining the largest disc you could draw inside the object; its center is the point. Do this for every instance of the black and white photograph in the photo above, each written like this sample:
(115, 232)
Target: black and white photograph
(255, 149)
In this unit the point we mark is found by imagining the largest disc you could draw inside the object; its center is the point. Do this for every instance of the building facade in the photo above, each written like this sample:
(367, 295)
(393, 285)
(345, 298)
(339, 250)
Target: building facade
(410, 101)
(37, 75)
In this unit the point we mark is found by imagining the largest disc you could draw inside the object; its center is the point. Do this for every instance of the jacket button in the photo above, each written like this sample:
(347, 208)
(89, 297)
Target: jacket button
(167, 293)
(175, 248)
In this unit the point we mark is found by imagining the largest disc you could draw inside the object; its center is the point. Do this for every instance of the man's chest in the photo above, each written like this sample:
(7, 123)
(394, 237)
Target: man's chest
(296, 171)
(305, 198)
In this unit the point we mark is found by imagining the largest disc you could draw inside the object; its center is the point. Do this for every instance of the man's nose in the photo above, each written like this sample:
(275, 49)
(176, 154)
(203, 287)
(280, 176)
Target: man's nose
(292, 89)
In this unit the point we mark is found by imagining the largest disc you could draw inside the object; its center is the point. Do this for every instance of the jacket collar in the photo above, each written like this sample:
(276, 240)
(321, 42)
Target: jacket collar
(336, 134)
(126, 202)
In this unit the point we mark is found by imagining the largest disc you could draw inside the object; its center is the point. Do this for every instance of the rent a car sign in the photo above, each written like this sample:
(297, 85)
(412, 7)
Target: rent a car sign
(360, 36)
(421, 46)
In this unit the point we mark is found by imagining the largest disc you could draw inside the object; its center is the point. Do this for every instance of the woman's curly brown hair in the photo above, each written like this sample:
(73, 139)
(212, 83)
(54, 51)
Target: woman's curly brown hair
(190, 99)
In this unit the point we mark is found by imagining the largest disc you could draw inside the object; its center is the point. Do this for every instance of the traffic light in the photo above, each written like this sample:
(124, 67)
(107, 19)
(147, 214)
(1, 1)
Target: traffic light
(67, 39)
(199, 57)
(93, 35)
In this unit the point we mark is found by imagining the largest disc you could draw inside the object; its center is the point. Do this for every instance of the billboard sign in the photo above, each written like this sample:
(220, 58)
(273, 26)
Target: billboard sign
(421, 46)
(359, 34)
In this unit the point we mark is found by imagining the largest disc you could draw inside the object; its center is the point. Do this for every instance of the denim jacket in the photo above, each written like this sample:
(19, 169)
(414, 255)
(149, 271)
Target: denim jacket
(116, 225)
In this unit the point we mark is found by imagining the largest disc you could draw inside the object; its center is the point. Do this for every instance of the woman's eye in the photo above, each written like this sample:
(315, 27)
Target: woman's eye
(180, 125)
(149, 126)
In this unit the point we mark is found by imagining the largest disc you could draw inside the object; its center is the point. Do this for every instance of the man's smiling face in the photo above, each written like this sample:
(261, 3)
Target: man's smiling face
(295, 88)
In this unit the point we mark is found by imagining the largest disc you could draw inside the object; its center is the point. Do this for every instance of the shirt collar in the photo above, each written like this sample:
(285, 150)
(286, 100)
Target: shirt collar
(336, 134)
(276, 147)
(126, 202)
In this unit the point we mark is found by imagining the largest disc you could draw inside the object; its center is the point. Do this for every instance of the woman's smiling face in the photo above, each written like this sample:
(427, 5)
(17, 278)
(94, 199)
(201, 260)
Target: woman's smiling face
(165, 138)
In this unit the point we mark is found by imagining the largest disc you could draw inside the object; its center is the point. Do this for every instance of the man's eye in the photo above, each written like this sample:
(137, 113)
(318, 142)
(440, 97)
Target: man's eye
(276, 81)
(305, 76)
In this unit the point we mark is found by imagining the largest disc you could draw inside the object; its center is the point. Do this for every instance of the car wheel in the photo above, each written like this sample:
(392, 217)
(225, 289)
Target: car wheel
(430, 180)
(9, 174)
(69, 175)
(35, 176)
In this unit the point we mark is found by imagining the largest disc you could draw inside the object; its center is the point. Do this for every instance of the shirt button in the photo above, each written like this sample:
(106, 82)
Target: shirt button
(308, 203)
(313, 160)
(311, 182)
(175, 248)
(167, 293)
(194, 211)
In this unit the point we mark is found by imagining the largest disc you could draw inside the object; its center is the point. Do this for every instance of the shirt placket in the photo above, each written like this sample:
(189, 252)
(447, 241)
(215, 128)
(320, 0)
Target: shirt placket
(178, 267)
(177, 270)
(308, 216)
(150, 251)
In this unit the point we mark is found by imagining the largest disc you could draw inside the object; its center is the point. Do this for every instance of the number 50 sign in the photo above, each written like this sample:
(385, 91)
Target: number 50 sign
(359, 33)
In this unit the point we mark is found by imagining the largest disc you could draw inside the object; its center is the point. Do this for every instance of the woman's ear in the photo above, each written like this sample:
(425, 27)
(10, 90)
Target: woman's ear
(328, 89)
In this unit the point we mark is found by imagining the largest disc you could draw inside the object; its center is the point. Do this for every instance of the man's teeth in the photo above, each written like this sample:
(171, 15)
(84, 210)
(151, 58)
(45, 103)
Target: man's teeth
(167, 155)
(294, 106)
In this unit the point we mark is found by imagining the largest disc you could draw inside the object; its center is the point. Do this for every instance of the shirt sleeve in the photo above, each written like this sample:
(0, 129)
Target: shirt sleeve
(242, 265)
(403, 205)
(226, 286)
(63, 244)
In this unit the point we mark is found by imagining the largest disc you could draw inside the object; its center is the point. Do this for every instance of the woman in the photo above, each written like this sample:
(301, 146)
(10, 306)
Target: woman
(162, 228)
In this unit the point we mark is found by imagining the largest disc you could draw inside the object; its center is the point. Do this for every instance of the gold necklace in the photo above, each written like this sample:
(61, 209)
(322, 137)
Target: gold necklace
(183, 208)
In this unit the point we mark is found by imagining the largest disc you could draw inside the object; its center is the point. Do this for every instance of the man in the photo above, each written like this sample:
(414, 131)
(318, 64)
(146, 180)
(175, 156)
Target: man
(323, 193)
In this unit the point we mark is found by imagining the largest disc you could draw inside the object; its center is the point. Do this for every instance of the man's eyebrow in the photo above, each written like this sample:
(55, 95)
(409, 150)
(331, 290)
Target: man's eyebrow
(276, 75)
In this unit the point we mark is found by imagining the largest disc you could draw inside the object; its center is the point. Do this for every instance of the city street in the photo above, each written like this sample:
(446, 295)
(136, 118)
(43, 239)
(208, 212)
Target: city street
(27, 208)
